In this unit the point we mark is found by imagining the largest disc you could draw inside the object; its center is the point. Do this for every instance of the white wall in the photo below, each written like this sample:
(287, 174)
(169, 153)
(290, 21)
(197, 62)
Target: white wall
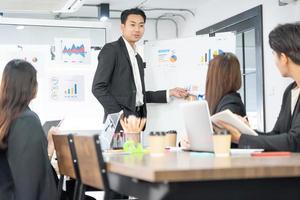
(213, 11)
(166, 30)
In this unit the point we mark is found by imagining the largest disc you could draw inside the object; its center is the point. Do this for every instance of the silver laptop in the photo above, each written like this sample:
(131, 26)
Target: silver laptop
(198, 125)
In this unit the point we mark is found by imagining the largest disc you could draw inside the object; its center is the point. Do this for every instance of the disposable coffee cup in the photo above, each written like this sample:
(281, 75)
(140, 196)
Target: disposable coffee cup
(157, 142)
(171, 137)
(221, 143)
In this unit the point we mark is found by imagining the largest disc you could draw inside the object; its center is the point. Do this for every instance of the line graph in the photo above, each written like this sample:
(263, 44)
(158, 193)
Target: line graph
(77, 50)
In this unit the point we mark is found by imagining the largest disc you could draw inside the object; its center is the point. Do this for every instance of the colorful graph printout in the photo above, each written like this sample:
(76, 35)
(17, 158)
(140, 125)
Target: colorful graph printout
(67, 88)
(73, 50)
(208, 55)
(167, 56)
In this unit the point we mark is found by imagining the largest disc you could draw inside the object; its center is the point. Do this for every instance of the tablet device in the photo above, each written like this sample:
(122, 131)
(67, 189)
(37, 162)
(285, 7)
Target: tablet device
(48, 124)
(230, 118)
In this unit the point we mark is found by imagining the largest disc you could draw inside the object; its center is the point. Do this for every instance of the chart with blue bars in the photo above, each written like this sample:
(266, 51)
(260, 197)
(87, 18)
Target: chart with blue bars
(71, 91)
(208, 55)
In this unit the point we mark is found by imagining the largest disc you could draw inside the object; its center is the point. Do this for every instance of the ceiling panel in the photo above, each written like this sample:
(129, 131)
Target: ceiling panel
(21, 8)
(123, 4)
(31, 5)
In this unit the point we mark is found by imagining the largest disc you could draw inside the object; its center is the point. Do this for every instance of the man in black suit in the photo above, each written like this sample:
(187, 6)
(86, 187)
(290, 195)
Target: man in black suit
(285, 136)
(119, 79)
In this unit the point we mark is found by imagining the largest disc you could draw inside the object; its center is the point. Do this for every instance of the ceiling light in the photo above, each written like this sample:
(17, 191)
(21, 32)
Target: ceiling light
(20, 27)
(103, 11)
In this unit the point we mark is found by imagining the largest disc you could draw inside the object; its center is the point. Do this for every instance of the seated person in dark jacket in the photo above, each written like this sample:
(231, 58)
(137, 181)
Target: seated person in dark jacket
(25, 169)
(285, 136)
(223, 79)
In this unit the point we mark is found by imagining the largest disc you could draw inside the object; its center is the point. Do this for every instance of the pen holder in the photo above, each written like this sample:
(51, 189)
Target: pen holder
(135, 137)
(221, 143)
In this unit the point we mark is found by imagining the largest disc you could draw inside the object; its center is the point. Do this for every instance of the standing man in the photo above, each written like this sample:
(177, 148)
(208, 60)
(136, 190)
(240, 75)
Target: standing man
(119, 79)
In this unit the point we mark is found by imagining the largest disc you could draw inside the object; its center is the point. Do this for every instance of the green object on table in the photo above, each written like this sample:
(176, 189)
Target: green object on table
(130, 147)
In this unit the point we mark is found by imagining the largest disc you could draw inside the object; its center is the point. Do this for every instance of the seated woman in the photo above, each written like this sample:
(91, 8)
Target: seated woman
(25, 169)
(223, 80)
(285, 136)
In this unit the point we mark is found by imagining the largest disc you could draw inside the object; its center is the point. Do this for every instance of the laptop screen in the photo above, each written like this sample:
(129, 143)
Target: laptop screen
(198, 125)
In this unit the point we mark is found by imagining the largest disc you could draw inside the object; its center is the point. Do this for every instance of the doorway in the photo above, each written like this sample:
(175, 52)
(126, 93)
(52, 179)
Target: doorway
(247, 27)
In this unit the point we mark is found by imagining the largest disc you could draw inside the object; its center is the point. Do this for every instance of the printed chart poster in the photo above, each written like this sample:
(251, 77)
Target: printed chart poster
(167, 57)
(76, 51)
(67, 88)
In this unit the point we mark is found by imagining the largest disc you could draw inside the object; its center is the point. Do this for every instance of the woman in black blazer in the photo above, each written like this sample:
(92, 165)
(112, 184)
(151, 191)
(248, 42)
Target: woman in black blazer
(223, 80)
(285, 136)
(25, 169)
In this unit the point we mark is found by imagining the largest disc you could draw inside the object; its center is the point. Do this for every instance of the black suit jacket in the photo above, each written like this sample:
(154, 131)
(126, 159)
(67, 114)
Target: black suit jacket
(233, 102)
(285, 135)
(25, 170)
(113, 84)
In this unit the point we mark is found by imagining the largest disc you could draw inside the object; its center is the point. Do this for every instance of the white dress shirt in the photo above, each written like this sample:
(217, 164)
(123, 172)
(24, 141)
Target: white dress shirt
(295, 95)
(139, 100)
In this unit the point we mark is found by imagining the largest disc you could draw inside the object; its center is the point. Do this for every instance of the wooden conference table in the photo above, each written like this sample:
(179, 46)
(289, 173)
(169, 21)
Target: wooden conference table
(190, 175)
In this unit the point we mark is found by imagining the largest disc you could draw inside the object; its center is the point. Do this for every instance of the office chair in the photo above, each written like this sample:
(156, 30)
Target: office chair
(92, 167)
(67, 162)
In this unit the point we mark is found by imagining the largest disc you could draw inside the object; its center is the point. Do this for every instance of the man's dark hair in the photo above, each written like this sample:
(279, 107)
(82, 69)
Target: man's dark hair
(286, 39)
(132, 11)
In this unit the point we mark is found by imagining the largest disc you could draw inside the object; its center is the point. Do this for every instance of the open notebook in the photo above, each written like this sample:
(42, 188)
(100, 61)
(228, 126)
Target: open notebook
(230, 118)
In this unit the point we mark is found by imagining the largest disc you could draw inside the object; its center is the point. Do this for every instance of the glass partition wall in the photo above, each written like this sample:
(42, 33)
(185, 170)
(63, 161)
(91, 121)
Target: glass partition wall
(249, 49)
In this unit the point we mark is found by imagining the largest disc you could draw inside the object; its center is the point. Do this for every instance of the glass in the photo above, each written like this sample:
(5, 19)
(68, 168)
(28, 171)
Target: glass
(245, 51)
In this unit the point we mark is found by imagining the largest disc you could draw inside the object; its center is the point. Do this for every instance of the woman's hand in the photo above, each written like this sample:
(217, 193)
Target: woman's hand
(53, 130)
(132, 124)
(235, 134)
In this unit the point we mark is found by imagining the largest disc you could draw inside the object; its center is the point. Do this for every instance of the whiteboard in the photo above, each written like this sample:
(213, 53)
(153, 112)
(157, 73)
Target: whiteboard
(179, 63)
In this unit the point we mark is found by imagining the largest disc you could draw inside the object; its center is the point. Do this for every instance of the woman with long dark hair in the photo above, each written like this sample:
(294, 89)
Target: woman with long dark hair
(223, 80)
(25, 169)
